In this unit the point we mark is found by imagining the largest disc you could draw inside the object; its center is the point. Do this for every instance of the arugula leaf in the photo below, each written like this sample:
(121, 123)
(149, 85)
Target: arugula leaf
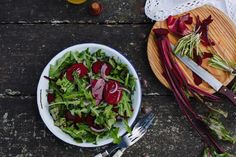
(74, 132)
(66, 85)
(114, 135)
(234, 87)
(60, 122)
(127, 127)
(63, 62)
(112, 62)
(55, 112)
(218, 129)
(208, 152)
(105, 117)
(124, 106)
(82, 91)
(75, 55)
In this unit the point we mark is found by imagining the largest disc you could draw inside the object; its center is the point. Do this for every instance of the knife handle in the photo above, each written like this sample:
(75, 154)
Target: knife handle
(229, 94)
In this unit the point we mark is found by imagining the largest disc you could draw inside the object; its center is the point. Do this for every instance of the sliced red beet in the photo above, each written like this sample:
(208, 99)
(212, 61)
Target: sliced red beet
(197, 80)
(198, 59)
(187, 19)
(178, 25)
(74, 118)
(112, 92)
(103, 67)
(170, 65)
(97, 89)
(202, 27)
(161, 31)
(69, 116)
(78, 119)
(80, 68)
(96, 67)
(90, 120)
(50, 97)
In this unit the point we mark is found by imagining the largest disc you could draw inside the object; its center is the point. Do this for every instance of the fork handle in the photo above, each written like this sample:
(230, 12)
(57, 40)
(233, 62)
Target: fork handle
(108, 152)
(104, 154)
(119, 153)
(98, 155)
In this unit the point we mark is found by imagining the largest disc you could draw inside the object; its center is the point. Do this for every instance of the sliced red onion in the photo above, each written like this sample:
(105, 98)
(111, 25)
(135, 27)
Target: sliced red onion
(97, 130)
(114, 89)
(103, 70)
(125, 89)
(78, 71)
(88, 86)
(97, 90)
(119, 96)
(98, 101)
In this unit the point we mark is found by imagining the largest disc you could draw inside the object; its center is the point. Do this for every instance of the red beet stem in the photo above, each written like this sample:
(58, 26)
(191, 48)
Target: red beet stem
(178, 84)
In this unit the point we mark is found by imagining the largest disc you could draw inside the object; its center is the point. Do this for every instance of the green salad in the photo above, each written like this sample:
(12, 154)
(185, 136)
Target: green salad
(88, 94)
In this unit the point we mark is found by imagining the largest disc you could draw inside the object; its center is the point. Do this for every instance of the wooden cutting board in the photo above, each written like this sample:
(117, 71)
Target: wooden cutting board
(223, 32)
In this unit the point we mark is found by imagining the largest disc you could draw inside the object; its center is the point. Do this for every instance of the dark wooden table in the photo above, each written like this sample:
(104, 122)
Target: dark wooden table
(33, 31)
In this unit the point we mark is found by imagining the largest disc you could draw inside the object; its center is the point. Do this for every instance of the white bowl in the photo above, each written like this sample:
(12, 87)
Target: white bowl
(43, 86)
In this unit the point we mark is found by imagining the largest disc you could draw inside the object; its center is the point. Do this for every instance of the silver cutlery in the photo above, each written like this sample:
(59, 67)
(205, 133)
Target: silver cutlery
(138, 131)
(209, 78)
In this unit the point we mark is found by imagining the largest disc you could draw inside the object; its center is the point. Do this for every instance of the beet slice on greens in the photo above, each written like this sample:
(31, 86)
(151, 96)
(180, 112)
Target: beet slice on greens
(112, 92)
(103, 67)
(97, 89)
(79, 68)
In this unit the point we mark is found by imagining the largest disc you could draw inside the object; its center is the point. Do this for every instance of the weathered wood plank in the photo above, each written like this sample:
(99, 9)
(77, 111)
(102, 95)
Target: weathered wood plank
(22, 132)
(59, 11)
(26, 49)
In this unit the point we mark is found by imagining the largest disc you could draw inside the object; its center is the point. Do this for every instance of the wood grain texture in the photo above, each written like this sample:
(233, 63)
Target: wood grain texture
(23, 133)
(221, 30)
(60, 11)
(32, 32)
(26, 49)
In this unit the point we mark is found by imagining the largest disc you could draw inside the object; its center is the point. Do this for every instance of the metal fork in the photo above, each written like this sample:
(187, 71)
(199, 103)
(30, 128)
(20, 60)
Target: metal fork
(138, 131)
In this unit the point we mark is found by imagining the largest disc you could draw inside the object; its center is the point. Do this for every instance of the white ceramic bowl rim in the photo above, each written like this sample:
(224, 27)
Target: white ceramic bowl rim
(43, 85)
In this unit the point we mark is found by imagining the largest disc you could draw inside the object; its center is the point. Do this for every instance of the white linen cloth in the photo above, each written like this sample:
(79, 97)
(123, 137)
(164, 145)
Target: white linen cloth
(159, 10)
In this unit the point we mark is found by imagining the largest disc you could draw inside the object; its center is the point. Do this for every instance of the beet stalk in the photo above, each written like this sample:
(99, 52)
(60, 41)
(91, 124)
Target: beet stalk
(179, 85)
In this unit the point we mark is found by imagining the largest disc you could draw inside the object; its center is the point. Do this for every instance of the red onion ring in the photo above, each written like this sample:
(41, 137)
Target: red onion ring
(114, 89)
(96, 130)
(125, 89)
(103, 70)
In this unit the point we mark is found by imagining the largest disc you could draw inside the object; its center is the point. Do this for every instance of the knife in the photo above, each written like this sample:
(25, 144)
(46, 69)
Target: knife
(207, 77)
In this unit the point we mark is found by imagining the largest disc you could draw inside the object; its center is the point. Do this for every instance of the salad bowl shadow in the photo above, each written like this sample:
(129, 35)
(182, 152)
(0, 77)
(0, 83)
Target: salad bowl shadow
(43, 85)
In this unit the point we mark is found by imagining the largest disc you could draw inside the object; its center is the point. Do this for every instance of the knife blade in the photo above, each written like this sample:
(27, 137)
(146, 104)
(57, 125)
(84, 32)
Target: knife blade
(207, 77)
